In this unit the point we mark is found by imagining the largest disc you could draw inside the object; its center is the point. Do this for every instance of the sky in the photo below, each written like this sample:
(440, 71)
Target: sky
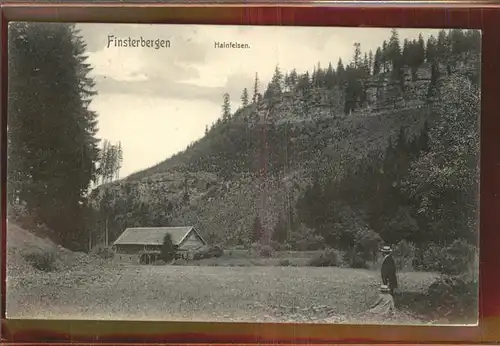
(157, 101)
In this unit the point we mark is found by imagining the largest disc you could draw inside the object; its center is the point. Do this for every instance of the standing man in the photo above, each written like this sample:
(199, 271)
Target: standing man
(388, 269)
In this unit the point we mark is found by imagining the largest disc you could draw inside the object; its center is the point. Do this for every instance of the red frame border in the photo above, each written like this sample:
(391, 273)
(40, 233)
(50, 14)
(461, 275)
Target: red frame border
(452, 15)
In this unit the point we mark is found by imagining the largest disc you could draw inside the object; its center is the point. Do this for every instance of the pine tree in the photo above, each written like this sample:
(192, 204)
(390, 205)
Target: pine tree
(120, 160)
(420, 51)
(275, 87)
(406, 55)
(226, 107)
(167, 251)
(293, 78)
(370, 62)
(244, 98)
(442, 48)
(330, 77)
(255, 97)
(304, 82)
(53, 149)
(320, 76)
(385, 57)
(377, 61)
(357, 55)
(431, 50)
(286, 82)
(340, 73)
(394, 53)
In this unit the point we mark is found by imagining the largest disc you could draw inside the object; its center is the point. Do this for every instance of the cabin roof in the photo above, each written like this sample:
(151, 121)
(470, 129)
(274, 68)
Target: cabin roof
(154, 235)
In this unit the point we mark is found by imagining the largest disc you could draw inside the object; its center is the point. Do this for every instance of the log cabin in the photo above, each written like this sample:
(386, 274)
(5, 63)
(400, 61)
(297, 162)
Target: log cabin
(142, 245)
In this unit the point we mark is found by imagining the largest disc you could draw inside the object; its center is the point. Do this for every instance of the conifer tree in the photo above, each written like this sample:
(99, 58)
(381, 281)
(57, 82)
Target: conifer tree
(420, 51)
(255, 97)
(394, 53)
(370, 62)
(226, 107)
(277, 81)
(340, 73)
(53, 150)
(330, 77)
(430, 50)
(377, 61)
(357, 55)
(293, 78)
(244, 98)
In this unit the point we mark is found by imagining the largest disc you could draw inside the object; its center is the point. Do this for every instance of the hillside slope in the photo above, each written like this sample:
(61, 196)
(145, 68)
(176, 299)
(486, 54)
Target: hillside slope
(25, 250)
(362, 124)
(271, 160)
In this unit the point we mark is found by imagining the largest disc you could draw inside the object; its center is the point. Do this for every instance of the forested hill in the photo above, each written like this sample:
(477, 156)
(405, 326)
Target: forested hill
(339, 155)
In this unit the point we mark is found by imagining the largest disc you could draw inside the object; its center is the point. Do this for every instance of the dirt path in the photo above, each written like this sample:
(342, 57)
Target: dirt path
(281, 294)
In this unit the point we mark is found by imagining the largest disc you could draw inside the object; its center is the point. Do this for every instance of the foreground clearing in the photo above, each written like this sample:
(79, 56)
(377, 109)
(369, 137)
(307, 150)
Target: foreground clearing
(250, 294)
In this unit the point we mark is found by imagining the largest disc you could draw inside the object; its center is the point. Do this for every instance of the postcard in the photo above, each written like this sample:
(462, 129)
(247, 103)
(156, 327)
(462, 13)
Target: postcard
(243, 173)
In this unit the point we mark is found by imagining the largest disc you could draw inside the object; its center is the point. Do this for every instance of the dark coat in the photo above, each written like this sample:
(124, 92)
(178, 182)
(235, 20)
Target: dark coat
(388, 272)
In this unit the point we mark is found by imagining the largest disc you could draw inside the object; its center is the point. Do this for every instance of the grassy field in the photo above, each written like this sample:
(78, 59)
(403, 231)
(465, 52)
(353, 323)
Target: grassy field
(204, 293)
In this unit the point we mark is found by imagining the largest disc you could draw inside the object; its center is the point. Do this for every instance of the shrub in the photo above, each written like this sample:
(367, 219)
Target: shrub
(103, 252)
(356, 260)
(44, 261)
(454, 296)
(454, 259)
(18, 212)
(179, 262)
(285, 263)
(367, 245)
(305, 239)
(279, 246)
(328, 258)
(168, 250)
(258, 250)
(266, 251)
(216, 251)
(208, 252)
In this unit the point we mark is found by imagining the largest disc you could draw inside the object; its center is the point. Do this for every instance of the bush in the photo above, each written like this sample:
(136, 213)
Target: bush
(18, 212)
(356, 260)
(168, 250)
(454, 296)
(258, 250)
(208, 252)
(285, 263)
(266, 251)
(305, 239)
(328, 258)
(42, 261)
(279, 246)
(454, 259)
(103, 252)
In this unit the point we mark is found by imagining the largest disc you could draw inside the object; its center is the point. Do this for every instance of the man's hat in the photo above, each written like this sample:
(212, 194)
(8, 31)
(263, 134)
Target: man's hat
(384, 288)
(386, 249)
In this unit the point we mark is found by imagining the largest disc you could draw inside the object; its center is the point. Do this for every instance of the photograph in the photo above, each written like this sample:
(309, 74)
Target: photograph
(260, 174)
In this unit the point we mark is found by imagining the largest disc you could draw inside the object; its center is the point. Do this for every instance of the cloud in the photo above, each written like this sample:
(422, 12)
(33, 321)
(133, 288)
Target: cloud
(158, 87)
